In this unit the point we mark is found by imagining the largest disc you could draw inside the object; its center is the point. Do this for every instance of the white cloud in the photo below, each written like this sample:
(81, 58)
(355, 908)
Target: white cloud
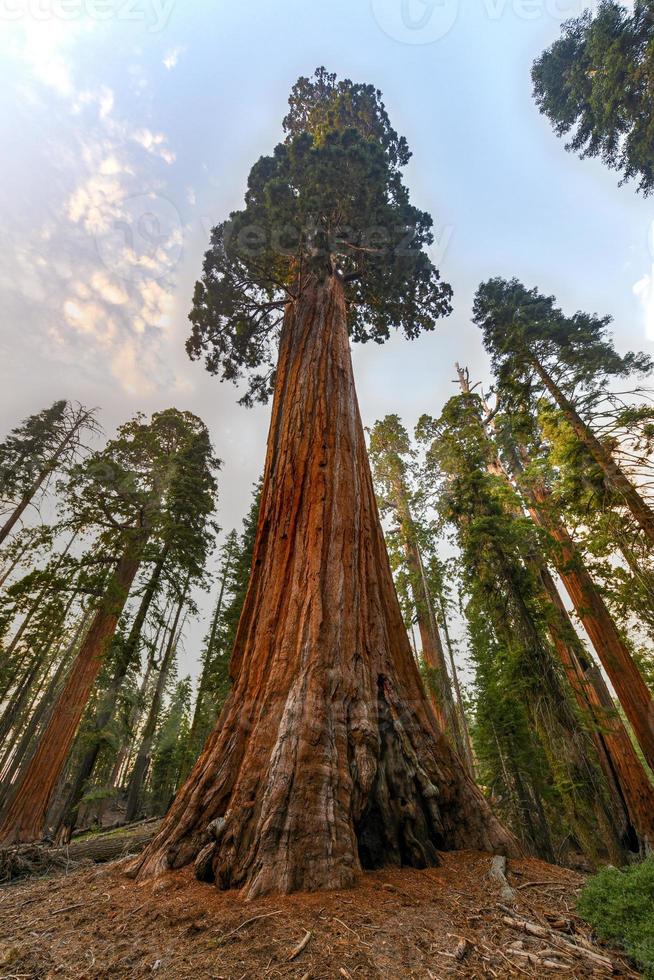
(43, 45)
(111, 166)
(126, 368)
(90, 318)
(171, 58)
(154, 143)
(108, 290)
(95, 201)
(644, 290)
(103, 268)
(157, 302)
(102, 97)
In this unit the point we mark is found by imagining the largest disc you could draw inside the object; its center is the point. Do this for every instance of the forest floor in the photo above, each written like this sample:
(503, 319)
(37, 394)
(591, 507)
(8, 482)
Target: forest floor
(451, 921)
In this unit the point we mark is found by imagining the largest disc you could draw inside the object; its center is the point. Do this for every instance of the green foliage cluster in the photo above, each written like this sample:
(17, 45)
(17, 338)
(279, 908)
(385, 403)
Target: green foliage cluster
(595, 84)
(168, 756)
(28, 448)
(523, 330)
(620, 907)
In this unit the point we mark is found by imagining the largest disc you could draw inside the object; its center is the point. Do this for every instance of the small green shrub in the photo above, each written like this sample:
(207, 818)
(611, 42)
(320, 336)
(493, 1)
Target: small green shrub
(620, 907)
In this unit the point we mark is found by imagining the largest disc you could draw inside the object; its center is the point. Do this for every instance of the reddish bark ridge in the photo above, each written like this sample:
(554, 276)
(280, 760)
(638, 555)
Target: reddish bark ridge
(326, 758)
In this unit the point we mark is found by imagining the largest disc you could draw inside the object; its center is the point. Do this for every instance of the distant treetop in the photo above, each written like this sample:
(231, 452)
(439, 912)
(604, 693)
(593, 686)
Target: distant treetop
(596, 84)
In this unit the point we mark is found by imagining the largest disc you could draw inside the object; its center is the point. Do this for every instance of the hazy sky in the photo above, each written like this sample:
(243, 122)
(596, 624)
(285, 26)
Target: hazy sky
(129, 128)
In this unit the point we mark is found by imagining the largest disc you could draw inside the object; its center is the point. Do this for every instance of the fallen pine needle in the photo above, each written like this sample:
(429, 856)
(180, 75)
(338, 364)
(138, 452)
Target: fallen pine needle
(266, 915)
(68, 908)
(534, 884)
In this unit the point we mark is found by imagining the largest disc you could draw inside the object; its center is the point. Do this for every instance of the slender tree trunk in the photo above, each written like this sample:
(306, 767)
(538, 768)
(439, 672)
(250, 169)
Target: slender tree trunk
(121, 766)
(33, 609)
(24, 817)
(107, 707)
(326, 757)
(142, 762)
(433, 653)
(463, 723)
(613, 473)
(562, 738)
(567, 744)
(43, 710)
(123, 761)
(524, 804)
(204, 679)
(430, 638)
(613, 653)
(534, 816)
(631, 790)
(619, 760)
(22, 505)
(21, 695)
(37, 663)
(11, 565)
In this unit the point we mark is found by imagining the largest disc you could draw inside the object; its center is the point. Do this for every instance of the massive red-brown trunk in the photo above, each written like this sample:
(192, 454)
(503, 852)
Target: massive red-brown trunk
(614, 655)
(326, 757)
(25, 815)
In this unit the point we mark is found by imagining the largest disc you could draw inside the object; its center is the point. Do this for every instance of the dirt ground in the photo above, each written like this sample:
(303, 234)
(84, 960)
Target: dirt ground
(451, 921)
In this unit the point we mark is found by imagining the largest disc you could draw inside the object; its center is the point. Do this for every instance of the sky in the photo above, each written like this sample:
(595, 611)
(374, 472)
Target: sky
(129, 128)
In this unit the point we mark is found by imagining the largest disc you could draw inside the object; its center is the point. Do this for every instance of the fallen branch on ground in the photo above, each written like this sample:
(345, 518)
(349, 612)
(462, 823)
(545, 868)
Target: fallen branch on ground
(498, 873)
(23, 860)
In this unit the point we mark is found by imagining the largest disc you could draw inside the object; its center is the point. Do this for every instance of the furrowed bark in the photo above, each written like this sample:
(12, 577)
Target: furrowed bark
(25, 815)
(326, 757)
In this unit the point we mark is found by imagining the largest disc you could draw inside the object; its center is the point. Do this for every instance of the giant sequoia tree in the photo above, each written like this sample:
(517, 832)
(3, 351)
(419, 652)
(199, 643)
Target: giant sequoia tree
(326, 757)
(596, 84)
